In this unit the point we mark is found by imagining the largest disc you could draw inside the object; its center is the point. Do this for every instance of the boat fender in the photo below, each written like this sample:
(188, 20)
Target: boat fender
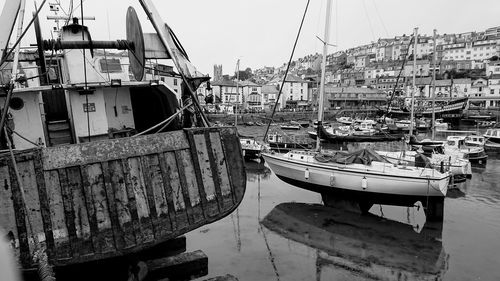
(364, 183)
(306, 174)
(332, 179)
(243, 153)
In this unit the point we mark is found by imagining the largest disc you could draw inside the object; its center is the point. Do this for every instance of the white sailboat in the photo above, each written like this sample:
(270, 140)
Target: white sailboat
(362, 176)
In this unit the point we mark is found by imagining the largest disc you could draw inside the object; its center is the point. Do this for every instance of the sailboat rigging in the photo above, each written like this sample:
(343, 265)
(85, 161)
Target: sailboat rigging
(362, 176)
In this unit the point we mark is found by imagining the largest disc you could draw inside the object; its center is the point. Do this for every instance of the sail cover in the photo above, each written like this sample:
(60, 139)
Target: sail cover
(364, 156)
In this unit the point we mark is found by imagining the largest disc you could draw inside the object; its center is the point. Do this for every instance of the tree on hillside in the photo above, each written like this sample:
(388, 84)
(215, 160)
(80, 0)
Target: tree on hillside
(244, 75)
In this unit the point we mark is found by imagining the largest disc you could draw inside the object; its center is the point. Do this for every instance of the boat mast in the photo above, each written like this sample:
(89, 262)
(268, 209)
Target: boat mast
(434, 58)
(415, 36)
(237, 93)
(15, 63)
(323, 70)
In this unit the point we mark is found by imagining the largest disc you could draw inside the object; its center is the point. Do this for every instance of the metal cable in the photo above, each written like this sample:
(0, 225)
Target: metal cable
(286, 72)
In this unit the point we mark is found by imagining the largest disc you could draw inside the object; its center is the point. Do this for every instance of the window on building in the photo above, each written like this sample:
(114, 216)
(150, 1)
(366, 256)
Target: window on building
(175, 82)
(480, 89)
(492, 91)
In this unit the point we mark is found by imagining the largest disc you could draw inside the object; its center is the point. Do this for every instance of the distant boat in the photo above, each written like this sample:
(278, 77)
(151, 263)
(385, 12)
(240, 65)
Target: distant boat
(251, 148)
(440, 125)
(456, 144)
(291, 127)
(284, 143)
(457, 166)
(341, 136)
(345, 120)
(493, 135)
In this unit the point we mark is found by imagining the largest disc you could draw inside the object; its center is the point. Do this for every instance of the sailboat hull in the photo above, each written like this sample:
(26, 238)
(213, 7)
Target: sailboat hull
(362, 185)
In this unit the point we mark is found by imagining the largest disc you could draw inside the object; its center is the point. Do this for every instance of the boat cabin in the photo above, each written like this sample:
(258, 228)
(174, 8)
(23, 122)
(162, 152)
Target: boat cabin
(475, 140)
(492, 133)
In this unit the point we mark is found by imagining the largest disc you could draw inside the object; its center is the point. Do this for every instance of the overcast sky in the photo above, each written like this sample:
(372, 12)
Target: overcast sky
(262, 32)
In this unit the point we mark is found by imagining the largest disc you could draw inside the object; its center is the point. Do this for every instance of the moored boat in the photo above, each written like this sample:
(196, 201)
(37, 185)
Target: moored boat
(251, 148)
(291, 126)
(284, 143)
(362, 175)
(456, 166)
(119, 172)
(455, 145)
(493, 135)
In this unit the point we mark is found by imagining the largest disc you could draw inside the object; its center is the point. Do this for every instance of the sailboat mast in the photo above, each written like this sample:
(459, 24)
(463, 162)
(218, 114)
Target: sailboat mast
(237, 93)
(434, 58)
(415, 40)
(15, 63)
(323, 70)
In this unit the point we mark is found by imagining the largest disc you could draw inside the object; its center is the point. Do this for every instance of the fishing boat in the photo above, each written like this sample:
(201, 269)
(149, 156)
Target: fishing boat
(291, 126)
(284, 143)
(104, 166)
(456, 145)
(493, 135)
(458, 167)
(361, 247)
(362, 176)
(251, 148)
(344, 120)
(475, 140)
(341, 135)
(440, 125)
(403, 124)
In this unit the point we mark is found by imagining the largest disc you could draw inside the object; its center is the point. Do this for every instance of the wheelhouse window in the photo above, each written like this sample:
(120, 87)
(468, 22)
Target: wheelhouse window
(110, 65)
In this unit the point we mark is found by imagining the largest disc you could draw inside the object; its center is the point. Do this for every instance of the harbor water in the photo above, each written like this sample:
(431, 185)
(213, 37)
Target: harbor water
(281, 232)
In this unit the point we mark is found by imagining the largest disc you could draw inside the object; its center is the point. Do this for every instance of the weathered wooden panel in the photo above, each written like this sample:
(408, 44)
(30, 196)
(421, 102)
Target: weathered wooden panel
(113, 149)
(167, 188)
(44, 204)
(189, 186)
(232, 151)
(102, 199)
(59, 229)
(181, 219)
(178, 197)
(98, 195)
(121, 203)
(119, 242)
(83, 242)
(221, 170)
(140, 198)
(28, 181)
(204, 173)
(156, 196)
(192, 184)
(20, 214)
(69, 213)
(7, 217)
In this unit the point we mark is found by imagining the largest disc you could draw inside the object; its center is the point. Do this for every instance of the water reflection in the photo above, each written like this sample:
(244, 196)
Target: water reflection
(361, 247)
(257, 170)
